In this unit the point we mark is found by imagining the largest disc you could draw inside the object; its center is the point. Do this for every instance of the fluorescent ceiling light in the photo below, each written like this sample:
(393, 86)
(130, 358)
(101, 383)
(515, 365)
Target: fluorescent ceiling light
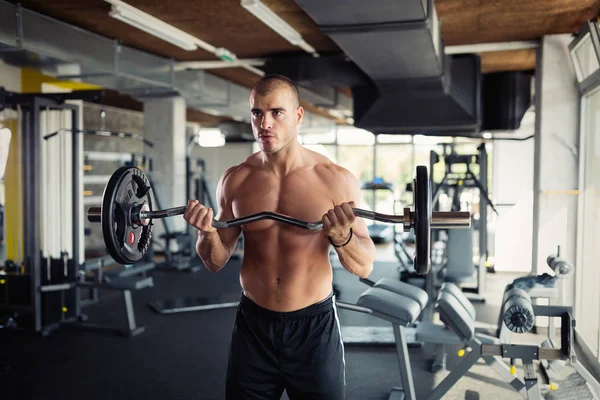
(273, 21)
(210, 138)
(154, 26)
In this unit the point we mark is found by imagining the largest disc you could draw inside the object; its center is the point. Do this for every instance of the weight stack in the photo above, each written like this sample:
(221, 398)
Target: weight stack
(58, 305)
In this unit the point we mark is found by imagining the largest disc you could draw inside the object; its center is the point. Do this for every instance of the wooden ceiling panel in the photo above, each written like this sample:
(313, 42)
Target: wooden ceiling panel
(240, 76)
(512, 60)
(223, 23)
(204, 119)
(485, 21)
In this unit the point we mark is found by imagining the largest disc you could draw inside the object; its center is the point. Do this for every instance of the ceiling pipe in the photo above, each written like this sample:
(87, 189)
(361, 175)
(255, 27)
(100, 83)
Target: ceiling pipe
(489, 47)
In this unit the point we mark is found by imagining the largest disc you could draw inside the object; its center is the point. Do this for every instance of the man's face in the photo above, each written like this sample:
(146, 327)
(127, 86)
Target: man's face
(275, 119)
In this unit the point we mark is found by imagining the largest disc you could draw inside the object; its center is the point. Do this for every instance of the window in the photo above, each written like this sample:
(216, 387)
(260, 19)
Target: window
(588, 302)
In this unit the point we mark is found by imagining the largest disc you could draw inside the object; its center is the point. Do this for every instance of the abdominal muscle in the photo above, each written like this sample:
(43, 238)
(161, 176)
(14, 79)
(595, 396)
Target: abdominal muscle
(285, 268)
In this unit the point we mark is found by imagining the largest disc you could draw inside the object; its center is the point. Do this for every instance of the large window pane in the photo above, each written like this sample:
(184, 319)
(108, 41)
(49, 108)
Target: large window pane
(588, 321)
(354, 136)
(394, 165)
(324, 137)
(359, 161)
(586, 60)
(328, 150)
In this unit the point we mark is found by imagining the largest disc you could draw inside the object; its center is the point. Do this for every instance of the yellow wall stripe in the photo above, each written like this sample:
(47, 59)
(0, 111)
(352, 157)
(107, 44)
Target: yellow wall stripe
(32, 79)
(13, 215)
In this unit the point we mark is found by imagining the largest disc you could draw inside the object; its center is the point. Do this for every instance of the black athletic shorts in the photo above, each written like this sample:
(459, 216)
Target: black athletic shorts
(299, 351)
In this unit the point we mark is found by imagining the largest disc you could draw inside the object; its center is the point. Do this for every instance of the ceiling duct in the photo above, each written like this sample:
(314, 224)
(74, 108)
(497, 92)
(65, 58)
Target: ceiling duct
(395, 40)
(235, 131)
(421, 106)
(71, 53)
(414, 87)
(506, 98)
(336, 70)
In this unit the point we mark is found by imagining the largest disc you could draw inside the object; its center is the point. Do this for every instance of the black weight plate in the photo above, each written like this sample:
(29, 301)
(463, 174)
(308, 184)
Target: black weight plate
(126, 191)
(422, 220)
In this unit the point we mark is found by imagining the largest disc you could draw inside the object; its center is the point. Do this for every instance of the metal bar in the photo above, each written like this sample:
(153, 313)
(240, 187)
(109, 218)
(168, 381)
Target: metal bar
(76, 199)
(537, 158)
(373, 192)
(406, 375)
(57, 287)
(13, 99)
(491, 350)
(484, 200)
(458, 372)
(438, 189)
(129, 308)
(531, 382)
(97, 132)
(549, 354)
(551, 311)
(439, 219)
(353, 307)
(502, 369)
(32, 209)
(185, 65)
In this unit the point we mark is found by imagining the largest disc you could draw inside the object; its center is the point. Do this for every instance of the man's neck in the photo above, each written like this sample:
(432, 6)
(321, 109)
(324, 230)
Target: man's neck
(285, 160)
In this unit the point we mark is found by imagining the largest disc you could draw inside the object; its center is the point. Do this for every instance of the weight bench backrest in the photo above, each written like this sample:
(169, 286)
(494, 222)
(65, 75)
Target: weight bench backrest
(455, 317)
(460, 296)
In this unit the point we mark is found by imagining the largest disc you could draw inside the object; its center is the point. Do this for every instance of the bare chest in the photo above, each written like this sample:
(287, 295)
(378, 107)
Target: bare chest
(302, 196)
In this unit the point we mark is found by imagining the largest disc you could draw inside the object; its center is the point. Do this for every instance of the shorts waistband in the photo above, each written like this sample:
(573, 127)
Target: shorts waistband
(312, 310)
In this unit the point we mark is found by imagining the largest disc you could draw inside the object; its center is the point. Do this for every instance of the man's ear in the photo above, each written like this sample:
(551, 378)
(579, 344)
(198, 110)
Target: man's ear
(299, 115)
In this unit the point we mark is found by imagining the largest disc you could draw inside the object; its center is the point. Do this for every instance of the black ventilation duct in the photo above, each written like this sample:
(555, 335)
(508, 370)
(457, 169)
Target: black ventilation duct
(420, 107)
(236, 131)
(304, 69)
(506, 98)
(413, 86)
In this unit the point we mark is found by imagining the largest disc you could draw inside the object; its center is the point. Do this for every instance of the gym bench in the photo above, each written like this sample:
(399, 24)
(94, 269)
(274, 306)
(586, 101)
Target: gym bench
(400, 304)
(126, 280)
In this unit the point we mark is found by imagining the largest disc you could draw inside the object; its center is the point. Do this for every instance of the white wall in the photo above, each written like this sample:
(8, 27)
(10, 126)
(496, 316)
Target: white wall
(513, 194)
(556, 161)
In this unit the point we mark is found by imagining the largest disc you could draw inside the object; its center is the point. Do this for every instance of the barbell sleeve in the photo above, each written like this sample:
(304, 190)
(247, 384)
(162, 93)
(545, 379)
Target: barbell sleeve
(94, 214)
(450, 219)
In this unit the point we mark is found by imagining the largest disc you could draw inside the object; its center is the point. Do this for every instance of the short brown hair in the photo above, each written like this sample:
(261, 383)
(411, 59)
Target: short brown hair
(272, 82)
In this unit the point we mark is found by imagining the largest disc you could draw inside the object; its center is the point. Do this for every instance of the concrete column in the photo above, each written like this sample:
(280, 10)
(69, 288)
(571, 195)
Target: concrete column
(165, 126)
(513, 195)
(556, 157)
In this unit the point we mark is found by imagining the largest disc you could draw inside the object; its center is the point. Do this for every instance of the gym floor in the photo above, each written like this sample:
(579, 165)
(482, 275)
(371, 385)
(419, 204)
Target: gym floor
(184, 356)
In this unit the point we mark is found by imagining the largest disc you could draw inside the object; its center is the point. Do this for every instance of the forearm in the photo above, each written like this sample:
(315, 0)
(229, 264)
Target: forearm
(211, 250)
(357, 256)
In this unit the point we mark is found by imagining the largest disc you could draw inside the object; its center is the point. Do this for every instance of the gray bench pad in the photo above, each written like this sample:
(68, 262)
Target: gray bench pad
(454, 316)
(390, 306)
(404, 289)
(460, 296)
